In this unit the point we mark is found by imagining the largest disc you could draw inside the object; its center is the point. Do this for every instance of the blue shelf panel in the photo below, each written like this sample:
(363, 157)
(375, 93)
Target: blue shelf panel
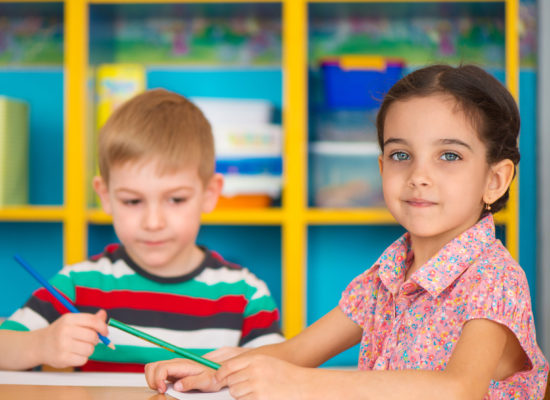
(38, 243)
(43, 90)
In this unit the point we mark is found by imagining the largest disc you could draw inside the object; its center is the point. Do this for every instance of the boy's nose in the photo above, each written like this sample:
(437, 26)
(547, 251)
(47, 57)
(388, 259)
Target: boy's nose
(154, 218)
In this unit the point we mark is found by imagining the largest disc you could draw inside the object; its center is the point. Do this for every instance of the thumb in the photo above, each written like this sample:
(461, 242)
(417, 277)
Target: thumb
(204, 382)
(102, 314)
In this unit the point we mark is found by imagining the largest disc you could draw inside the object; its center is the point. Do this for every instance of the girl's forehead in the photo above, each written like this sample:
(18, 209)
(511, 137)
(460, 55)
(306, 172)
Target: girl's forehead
(429, 119)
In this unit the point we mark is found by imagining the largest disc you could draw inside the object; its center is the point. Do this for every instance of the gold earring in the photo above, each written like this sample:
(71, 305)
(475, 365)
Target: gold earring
(487, 207)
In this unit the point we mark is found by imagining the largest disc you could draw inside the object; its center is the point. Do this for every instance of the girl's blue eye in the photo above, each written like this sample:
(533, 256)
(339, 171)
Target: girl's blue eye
(448, 156)
(399, 156)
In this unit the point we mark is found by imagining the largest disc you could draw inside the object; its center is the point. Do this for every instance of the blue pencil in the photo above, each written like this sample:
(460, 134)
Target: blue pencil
(55, 293)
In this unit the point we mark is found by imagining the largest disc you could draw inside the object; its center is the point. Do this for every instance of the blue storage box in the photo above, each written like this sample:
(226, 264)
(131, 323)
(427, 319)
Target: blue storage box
(352, 82)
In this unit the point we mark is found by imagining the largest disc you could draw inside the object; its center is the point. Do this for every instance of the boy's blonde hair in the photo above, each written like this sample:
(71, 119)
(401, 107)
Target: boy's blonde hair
(157, 125)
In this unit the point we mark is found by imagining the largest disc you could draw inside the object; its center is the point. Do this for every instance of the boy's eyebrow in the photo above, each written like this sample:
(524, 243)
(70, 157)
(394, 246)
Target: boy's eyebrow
(175, 189)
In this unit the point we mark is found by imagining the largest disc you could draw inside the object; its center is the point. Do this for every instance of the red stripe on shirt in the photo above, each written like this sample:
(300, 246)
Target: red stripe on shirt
(261, 320)
(104, 366)
(159, 302)
(44, 295)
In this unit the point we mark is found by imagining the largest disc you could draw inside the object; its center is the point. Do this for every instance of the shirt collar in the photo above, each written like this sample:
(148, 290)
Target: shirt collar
(444, 267)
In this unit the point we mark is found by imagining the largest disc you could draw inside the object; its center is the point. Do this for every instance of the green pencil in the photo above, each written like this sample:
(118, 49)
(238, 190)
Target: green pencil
(163, 344)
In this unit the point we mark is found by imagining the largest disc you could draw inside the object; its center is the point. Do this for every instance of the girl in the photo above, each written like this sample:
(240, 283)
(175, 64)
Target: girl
(445, 312)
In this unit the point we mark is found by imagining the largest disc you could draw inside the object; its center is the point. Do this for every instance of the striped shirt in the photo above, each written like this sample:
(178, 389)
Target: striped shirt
(218, 304)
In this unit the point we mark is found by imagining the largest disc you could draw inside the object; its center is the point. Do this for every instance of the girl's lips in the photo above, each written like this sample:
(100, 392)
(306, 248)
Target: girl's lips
(419, 203)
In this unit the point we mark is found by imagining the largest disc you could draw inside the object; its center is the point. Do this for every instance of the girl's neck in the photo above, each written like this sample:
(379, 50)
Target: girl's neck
(424, 248)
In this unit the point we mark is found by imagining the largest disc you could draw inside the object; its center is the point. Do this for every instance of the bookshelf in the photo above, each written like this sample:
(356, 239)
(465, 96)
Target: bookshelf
(294, 219)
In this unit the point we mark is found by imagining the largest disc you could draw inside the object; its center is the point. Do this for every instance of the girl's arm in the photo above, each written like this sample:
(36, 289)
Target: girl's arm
(326, 338)
(467, 376)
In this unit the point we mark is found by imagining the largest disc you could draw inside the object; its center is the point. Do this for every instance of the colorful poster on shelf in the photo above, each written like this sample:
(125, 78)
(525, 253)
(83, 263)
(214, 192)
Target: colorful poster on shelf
(115, 84)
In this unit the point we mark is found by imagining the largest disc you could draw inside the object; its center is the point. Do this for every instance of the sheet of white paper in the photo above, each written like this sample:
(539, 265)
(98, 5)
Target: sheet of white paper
(221, 395)
(73, 378)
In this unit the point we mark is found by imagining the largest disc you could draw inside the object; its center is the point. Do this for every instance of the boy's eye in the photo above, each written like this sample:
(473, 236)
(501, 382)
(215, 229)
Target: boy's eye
(131, 202)
(399, 156)
(448, 156)
(178, 200)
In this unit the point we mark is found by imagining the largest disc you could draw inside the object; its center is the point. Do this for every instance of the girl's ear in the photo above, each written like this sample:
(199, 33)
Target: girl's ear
(500, 177)
(212, 192)
(381, 163)
(102, 191)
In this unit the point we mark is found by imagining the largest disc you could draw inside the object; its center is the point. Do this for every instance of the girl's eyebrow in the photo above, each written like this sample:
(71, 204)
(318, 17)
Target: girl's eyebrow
(394, 140)
(455, 141)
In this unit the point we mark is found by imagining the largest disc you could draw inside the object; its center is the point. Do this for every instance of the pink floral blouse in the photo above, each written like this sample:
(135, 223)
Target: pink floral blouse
(416, 324)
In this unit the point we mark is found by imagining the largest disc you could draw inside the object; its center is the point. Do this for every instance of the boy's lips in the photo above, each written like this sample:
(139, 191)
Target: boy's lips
(153, 242)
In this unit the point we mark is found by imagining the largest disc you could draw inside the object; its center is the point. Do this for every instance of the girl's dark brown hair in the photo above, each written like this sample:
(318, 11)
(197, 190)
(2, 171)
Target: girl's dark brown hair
(483, 99)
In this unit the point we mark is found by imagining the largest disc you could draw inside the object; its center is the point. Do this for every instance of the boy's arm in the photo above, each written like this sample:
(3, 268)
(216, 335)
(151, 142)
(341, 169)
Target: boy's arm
(67, 342)
(467, 376)
(20, 349)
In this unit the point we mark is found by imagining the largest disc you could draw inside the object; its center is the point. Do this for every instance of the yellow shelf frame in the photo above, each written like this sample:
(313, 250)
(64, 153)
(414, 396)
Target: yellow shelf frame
(294, 216)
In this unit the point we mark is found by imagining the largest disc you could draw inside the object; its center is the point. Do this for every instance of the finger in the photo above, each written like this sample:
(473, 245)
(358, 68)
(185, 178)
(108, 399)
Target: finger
(204, 382)
(230, 367)
(149, 375)
(82, 349)
(90, 321)
(241, 390)
(225, 353)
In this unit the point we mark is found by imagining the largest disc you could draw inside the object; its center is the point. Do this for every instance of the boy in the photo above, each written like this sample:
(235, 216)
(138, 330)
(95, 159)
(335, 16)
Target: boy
(156, 163)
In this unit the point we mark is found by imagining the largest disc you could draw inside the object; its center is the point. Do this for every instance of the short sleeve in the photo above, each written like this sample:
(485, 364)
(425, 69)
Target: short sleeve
(502, 295)
(354, 300)
(261, 316)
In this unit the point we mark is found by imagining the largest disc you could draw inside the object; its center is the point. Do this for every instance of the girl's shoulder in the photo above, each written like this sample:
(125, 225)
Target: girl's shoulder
(497, 263)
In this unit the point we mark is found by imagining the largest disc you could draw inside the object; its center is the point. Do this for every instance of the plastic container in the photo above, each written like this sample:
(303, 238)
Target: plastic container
(345, 174)
(352, 82)
(234, 111)
(346, 125)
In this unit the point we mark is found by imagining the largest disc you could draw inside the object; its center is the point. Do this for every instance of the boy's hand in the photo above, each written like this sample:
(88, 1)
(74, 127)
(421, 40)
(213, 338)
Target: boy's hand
(263, 377)
(185, 374)
(71, 339)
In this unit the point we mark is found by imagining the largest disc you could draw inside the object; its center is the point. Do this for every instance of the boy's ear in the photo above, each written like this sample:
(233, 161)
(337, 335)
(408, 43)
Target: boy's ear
(212, 192)
(500, 177)
(102, 191)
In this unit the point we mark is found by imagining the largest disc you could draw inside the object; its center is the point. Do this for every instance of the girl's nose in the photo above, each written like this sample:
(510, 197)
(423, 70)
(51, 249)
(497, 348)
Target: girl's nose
(419, 176)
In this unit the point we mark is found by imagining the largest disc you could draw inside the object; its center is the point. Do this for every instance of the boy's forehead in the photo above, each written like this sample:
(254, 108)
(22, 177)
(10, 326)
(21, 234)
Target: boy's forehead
(149, 169)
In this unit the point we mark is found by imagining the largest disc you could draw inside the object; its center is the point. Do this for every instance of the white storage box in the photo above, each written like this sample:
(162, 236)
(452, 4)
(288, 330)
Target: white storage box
(345, 174)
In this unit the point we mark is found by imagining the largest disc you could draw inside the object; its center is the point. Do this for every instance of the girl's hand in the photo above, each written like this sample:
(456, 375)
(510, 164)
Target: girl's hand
(185, 374)
(70, 340)
(259, 377)
(225, 353)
